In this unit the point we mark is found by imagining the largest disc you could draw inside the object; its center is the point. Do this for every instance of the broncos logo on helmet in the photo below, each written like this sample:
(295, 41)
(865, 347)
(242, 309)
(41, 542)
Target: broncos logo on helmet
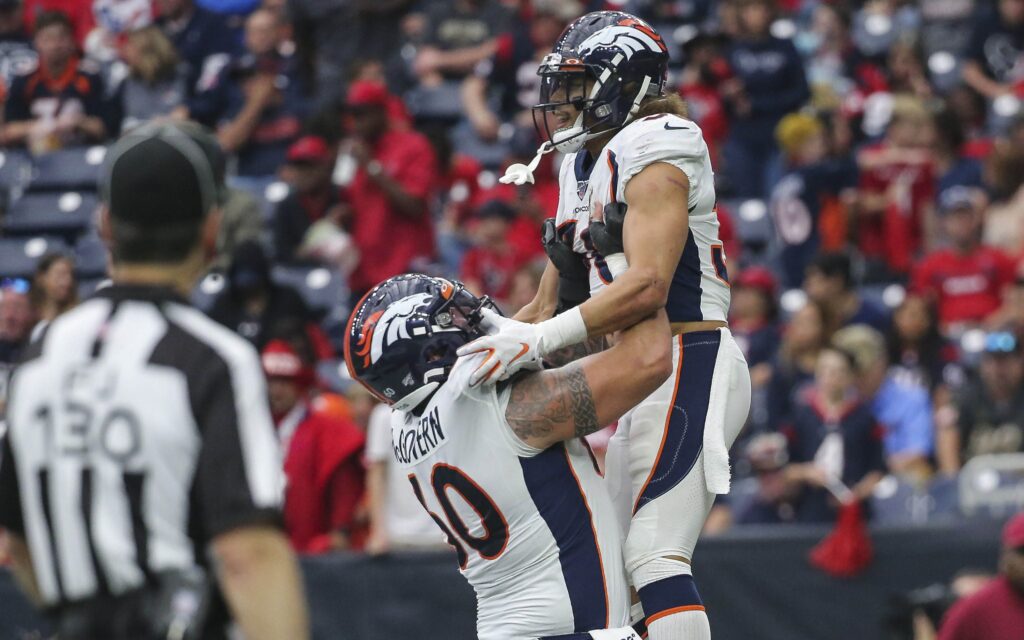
(629, 37)
(403, 335)
(618, 58)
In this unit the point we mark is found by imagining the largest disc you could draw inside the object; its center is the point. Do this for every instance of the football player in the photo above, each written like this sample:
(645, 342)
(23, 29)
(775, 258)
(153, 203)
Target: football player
(636, 225)
(504, 471)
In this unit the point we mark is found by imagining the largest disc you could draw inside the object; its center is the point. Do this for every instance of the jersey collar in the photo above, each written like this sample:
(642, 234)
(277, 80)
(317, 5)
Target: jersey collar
(140, 292)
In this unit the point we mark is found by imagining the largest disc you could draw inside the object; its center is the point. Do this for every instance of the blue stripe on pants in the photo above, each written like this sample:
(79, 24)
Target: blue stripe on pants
(683, 439)
(559, 498)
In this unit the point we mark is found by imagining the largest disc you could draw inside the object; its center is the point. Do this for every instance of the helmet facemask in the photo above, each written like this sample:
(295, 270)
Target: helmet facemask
(594, 91)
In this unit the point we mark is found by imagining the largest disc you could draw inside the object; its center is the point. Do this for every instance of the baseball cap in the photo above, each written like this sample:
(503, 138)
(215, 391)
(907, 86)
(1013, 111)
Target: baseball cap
(164, 174)
(757, 278)
(281, 361)
(366, 93)
(1013, 532)
(496, 209)
(308, 149)
(956, 199)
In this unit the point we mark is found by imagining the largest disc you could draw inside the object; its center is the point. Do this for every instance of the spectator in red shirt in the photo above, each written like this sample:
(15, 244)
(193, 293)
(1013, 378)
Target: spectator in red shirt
(397, 174)
(996, 612)
(322, 456)
(966, 279)
(897, 186)
(490, 266)
(698, 84)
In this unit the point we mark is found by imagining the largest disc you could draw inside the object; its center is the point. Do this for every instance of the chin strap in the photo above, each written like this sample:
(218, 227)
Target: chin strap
(520, 174)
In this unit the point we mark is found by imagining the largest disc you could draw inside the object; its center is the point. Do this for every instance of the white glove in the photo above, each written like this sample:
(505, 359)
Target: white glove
(513, 346)
(510, 347)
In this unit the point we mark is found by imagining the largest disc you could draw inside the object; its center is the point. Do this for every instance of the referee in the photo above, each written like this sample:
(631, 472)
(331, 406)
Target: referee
(140, 449)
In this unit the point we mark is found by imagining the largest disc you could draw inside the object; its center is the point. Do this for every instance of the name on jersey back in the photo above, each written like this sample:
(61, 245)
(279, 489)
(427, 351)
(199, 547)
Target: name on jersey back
(417, 439)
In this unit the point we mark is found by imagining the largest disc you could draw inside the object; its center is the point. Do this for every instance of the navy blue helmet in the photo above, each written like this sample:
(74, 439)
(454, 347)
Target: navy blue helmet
(621, 55)
(402, 336)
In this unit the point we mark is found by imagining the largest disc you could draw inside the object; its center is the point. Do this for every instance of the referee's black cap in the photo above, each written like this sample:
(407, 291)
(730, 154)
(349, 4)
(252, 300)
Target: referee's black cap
(164, 174)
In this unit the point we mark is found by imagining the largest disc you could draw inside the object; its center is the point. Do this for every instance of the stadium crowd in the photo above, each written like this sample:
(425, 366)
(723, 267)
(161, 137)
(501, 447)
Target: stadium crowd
(870, 167)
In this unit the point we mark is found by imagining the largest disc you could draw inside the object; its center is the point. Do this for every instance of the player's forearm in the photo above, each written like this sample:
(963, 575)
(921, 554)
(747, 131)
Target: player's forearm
(545, 301)
(634, 295)
(260, 579)
(21, 567)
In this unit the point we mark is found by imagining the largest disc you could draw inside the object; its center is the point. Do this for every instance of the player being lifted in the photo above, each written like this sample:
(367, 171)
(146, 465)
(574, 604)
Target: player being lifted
(630, 145)
(504, 472)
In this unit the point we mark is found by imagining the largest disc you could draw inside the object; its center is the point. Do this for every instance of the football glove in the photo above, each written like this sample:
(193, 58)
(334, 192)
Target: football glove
(573, 270)
(607, 234)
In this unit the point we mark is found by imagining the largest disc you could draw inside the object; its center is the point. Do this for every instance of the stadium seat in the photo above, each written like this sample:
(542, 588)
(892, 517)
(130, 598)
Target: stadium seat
(66, 214)
(334, 375)
(321, 288)
(90, 257)
(15, 170)
(992, 485)
(75, 169)
(18, 256)
(206, 290)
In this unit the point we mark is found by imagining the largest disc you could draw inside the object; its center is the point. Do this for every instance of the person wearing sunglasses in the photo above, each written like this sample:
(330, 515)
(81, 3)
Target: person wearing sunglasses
(16, 319)
(989, 416)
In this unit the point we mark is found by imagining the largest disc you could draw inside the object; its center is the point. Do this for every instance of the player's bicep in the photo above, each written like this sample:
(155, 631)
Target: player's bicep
(655, 227)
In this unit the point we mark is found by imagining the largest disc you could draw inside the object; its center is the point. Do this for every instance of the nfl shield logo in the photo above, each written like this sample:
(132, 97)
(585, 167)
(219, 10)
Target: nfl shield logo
(581, 188)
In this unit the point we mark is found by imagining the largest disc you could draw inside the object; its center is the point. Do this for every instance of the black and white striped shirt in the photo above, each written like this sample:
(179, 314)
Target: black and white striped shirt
(138, 431)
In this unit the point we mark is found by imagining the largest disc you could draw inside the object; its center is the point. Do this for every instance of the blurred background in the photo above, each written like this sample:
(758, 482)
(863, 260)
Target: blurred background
(869, 162)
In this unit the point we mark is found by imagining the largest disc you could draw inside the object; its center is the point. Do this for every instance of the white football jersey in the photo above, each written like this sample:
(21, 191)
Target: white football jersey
(534, 530)
(700, 285)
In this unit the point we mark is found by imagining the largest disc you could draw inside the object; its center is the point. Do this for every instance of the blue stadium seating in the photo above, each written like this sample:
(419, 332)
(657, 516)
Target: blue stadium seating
(320, 288)
(67, 170)
(66, 214)
(15, 170)
(18, 256)
(90, 257)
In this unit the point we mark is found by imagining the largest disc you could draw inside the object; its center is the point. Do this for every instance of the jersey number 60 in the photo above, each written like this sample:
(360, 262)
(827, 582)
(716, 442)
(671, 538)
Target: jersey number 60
(445, 477)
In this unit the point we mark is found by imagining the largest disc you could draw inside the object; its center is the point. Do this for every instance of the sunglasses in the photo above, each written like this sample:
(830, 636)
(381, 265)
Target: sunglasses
(1000, 342)
(17, 285)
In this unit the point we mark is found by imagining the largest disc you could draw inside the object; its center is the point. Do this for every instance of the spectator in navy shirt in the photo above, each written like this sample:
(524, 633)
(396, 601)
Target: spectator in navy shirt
(812, 182)
(257, 102)
(775, 496)
(16, 53)
(829, 281)
(202, 39)
(995, 57)
(312, 198)
(834, 437)
(768, 83)
(900, 405)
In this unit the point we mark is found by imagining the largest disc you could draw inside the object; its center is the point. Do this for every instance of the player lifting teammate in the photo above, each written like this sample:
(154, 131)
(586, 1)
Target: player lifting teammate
(630, 148)
(504, 471)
